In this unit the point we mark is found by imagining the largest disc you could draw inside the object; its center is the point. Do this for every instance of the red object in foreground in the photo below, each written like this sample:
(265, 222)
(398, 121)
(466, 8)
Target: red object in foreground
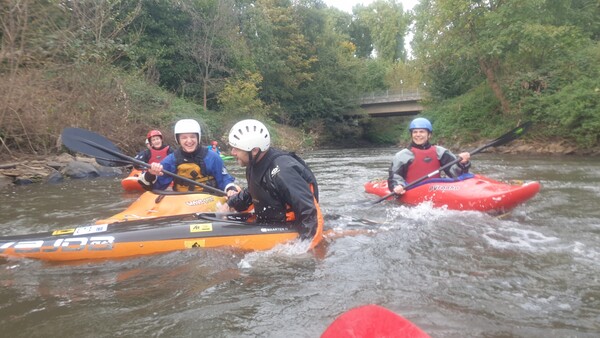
(372, 321)
(469, 192)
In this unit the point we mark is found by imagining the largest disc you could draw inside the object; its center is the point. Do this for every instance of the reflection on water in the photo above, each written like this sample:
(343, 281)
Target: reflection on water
(531, 273)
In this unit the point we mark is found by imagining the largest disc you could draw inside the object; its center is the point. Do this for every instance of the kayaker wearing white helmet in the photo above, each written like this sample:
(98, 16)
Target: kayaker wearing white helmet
(423, 158)
(281, 187)
(191, 161)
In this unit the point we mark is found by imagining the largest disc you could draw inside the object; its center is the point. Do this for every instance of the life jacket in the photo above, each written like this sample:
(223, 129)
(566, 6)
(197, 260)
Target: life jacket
(424, 163)
(157, 155)
(192, 167)
(266, 199)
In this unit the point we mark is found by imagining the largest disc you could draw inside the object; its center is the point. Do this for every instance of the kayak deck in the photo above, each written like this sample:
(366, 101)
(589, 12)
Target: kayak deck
(120, 240)
(467, 192)
(164, 203)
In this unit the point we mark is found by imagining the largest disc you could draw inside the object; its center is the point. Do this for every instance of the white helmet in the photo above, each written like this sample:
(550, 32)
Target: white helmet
(249, 134)
(186, 126)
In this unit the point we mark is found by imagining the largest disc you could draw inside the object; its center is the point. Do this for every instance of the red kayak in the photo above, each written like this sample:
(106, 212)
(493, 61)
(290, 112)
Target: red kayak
(467, 192)
(371, 321)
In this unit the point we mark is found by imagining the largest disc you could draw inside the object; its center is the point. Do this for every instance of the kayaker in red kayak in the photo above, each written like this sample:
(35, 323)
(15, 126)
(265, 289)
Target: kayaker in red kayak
(191, 161)
(156, 150)
(423, 158)
(281, 187)
(214, 146)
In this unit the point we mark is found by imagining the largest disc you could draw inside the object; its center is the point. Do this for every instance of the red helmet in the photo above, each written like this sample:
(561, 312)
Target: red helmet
(214, 143)
(153, 133)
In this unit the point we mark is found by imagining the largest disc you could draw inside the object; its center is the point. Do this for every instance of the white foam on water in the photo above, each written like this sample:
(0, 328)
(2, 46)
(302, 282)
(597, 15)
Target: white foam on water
(514, 238)
(290, 249)
(586, 254)
(422, 212)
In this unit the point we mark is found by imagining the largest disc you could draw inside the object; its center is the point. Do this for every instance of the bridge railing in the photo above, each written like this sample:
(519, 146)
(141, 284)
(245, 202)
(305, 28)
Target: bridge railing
(391, 96)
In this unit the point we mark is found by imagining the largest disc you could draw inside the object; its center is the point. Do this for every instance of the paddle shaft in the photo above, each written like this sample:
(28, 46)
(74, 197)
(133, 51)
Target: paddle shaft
(146, 165)
(511, 135)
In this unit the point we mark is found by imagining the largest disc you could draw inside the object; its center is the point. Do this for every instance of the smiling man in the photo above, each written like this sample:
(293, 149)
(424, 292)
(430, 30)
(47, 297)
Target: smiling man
(423, 158)
(191, 161)
(281, 186)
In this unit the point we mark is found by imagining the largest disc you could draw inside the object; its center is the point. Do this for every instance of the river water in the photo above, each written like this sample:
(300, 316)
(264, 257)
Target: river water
(532, 273)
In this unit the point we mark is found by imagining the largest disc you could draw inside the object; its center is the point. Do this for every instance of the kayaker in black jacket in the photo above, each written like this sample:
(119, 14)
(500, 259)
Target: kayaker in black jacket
(281, 187)
(423, 158)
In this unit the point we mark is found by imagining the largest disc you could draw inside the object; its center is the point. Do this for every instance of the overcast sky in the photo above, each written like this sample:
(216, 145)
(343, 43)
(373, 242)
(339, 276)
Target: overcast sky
(346, 5)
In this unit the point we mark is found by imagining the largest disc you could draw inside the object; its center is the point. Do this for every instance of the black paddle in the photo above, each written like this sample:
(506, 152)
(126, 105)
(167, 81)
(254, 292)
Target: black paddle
(502, 140)
(95, 145)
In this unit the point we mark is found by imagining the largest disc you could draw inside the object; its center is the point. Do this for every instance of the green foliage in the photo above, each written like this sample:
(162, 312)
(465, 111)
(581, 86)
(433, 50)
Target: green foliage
(372, 75)
(240, 96)
(387, 25)
(388, 131)
(467, 118)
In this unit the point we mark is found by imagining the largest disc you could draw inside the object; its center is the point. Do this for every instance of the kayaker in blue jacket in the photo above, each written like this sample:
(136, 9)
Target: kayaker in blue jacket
(156, 150)
(281, 187)
(423, 158)
(191, 161)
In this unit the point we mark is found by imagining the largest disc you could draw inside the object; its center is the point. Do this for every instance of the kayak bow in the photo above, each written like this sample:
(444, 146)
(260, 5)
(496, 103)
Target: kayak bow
(372, 321)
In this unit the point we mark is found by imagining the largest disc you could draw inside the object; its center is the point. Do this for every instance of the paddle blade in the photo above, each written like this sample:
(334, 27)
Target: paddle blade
(372, 321)
(511, 135)
(111, 163)
(92, 144)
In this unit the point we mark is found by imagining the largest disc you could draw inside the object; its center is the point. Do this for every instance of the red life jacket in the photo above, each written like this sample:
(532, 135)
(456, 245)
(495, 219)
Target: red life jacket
(157, 155)
(425, 162)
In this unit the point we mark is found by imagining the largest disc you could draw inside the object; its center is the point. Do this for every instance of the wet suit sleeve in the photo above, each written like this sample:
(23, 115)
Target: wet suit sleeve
(399, 168)
(295, 191)
(446, 156)
(240, 202)
(143, 156)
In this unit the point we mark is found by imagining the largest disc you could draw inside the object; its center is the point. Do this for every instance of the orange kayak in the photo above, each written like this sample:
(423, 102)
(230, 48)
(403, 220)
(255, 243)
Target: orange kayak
(146, 237)
(467, 192)
(151, 205)
(130, 183)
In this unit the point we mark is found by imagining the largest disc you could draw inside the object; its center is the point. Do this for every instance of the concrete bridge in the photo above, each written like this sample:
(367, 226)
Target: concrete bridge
(392, 103)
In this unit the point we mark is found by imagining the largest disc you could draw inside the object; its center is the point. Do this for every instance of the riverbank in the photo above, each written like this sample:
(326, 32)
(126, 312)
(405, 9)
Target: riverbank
(30, 169)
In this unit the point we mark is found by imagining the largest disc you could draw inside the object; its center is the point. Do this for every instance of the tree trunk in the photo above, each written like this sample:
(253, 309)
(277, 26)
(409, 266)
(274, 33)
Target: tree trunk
(489, 69)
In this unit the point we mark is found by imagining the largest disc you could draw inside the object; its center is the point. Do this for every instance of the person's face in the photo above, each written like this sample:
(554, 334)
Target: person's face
(188, 142)
(156, 142)
(420, 136)
(242, 156)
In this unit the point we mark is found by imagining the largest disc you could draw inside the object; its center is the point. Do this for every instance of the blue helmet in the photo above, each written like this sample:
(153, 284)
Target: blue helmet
(420, 123)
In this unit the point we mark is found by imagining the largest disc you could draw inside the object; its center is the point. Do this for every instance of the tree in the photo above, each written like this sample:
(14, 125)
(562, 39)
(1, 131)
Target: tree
(456, 39)
(387, 25)
(213, 31)
(282, 54)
